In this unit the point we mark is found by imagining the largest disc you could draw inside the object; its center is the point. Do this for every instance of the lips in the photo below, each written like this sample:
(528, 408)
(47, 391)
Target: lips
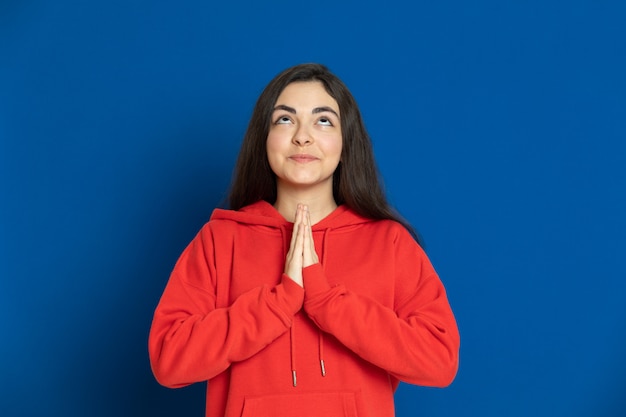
(303, 158)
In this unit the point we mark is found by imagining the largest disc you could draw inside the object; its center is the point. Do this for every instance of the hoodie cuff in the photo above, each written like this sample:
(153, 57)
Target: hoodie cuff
(315, 281)
(290, 295)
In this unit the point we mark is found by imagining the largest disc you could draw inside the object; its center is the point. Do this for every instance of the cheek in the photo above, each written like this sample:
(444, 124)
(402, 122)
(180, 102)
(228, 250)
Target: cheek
(275, 141)
(335, 147)
(272, 148)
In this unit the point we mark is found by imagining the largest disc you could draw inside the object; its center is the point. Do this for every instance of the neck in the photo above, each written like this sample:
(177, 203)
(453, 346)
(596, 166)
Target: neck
(320, 205)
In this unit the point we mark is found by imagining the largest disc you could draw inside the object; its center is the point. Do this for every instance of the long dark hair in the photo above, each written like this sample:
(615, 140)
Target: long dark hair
(356, 181)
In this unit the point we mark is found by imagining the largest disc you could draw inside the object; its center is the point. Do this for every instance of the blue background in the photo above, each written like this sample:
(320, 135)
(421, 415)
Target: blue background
(499, 128)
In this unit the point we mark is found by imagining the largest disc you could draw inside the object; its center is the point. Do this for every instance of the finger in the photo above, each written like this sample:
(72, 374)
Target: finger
(308, 222)
(296, 222)
(298, 250)
(299, 214)
(310, 256)
(306, 247)
(298, 246)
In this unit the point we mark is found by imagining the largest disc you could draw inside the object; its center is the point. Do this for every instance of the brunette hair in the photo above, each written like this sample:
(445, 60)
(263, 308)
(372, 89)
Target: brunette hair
(356, 181)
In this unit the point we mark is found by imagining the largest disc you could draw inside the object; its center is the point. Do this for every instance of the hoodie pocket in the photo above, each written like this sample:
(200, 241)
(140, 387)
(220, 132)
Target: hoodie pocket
(330, 404)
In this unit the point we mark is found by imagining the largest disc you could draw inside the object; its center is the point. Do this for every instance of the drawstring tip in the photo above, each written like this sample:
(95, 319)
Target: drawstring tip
(293, 377)
(323, 367)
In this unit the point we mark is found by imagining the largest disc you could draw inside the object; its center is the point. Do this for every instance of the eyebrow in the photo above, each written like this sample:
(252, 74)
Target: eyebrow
(324, 109)
(314, 111)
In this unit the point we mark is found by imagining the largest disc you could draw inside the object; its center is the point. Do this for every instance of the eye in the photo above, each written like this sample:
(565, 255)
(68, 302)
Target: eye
(282, 120)
(325, 121)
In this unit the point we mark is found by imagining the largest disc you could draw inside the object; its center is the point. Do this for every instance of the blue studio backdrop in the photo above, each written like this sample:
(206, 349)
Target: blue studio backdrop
(499, 129)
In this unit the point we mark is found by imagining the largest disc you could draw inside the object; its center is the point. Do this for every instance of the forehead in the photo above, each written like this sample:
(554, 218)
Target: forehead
(306, 94)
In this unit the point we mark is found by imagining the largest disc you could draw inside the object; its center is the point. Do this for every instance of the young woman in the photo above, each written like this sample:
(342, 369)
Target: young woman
(310, 297)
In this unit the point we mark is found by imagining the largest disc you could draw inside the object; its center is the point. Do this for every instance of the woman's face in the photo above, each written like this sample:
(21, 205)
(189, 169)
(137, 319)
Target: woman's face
(304, 141)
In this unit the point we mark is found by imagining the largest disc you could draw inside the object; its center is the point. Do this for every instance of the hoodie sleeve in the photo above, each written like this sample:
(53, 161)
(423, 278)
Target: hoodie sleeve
(416, 341)
(191, 340)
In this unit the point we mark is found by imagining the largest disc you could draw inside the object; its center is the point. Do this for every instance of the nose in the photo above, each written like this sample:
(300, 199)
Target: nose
(302, 136)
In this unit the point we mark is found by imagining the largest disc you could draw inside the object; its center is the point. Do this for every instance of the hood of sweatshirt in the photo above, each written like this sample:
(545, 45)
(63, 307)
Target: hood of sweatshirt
(263, 215)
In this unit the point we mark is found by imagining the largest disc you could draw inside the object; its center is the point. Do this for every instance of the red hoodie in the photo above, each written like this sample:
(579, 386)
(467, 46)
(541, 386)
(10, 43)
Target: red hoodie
(372, 313)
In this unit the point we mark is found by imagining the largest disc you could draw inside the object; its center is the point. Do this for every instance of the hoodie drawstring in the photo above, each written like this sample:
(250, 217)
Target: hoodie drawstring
(321, 352)
(292, 336)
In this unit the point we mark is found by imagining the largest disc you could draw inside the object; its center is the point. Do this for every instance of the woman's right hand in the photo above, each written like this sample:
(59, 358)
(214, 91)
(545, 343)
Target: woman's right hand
(295, 256)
